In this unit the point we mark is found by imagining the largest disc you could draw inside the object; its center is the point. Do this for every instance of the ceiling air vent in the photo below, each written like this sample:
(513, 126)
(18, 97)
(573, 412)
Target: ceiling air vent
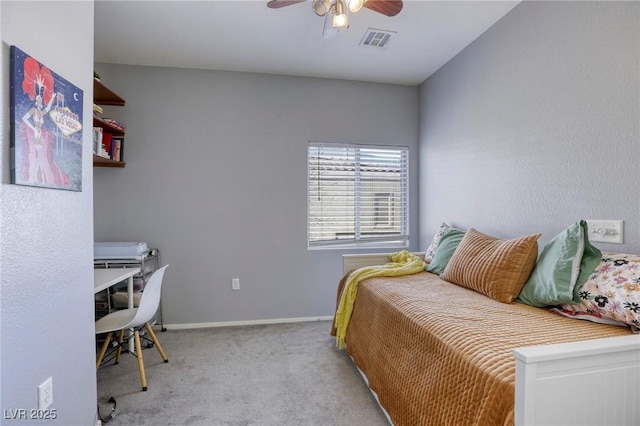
(377, 38)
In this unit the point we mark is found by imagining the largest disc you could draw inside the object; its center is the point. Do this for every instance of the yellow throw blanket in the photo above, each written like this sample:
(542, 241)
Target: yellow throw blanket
(402, 263)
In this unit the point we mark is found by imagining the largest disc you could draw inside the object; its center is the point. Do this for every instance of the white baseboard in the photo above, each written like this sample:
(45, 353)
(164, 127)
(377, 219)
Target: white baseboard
(249, 322)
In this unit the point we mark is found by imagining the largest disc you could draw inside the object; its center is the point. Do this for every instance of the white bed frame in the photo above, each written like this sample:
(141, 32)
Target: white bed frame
(593, 382)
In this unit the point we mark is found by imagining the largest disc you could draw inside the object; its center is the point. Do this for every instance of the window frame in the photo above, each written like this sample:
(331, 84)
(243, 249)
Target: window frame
(400, 240)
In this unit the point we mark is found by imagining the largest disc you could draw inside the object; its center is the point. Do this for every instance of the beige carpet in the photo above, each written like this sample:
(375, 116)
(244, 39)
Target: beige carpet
(283, 374)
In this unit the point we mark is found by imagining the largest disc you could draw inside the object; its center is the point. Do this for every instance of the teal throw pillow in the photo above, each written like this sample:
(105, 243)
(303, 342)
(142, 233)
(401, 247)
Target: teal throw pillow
(591, 258)
(448, 244)
(562, 268)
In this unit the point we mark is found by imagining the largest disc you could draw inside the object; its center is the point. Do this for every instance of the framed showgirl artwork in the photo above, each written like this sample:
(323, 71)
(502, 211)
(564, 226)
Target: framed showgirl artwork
(46, 126)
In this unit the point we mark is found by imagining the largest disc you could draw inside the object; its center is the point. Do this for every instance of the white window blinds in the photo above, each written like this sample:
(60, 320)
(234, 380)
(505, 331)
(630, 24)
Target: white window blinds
(357, 195)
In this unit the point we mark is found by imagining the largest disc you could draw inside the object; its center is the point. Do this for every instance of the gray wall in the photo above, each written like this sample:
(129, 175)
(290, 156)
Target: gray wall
(216, 179)
(46, 268)
(536, 125)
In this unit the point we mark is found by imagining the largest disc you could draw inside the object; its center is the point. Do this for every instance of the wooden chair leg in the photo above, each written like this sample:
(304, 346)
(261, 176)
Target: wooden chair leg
(119, 351)
(103, 350)
(156, 342)
(143, 378)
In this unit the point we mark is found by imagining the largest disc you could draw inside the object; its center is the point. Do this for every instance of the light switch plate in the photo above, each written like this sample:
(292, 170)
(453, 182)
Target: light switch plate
(606, 231)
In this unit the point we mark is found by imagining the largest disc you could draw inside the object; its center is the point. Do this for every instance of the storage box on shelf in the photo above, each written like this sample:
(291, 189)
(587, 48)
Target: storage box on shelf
(106, 128)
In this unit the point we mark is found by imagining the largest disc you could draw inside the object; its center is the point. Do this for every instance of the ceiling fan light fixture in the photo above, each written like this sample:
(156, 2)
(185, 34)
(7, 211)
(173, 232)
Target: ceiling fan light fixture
(340, 19)
(355, 5)
(321, 7)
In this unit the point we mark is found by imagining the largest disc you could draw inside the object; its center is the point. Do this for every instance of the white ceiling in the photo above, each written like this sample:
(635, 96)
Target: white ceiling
(245, 35)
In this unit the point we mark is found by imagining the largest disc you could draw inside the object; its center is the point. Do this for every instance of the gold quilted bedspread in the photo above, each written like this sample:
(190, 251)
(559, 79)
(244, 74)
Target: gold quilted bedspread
(438, 354)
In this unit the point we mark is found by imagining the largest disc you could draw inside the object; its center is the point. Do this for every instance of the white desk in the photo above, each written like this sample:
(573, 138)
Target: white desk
(105, 278)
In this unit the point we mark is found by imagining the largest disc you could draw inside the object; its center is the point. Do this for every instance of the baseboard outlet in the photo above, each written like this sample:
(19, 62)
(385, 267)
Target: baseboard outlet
(239, 323)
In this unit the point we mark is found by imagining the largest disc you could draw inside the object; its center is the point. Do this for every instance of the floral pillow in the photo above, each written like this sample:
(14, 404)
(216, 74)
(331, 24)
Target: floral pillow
(431, 250)
(612, 291)
(589, 316)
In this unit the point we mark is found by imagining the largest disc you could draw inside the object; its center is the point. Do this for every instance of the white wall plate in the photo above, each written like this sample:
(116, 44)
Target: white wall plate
(606, 231)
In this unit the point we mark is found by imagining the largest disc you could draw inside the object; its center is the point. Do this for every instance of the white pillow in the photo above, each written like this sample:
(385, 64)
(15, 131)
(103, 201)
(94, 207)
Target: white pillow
(431, 250)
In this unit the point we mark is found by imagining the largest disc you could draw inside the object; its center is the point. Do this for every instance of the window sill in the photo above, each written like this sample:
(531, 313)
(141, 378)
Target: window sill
(361, 245)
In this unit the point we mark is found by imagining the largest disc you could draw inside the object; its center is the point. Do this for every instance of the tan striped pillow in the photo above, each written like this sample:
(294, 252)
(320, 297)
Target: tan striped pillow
(496, 268)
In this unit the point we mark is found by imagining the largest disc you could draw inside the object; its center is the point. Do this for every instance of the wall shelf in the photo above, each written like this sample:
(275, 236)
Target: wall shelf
(102, 95)
(106, 162)
(99, 122)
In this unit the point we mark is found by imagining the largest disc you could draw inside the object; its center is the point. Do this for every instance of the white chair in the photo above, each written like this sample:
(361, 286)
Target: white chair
(136, 319)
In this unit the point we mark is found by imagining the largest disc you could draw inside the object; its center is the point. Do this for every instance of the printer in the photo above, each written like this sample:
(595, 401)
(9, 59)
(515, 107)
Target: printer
(122, 255)
(119, 250)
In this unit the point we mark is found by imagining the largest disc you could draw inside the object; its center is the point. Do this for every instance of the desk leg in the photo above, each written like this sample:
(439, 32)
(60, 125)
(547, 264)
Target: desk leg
(130, 306)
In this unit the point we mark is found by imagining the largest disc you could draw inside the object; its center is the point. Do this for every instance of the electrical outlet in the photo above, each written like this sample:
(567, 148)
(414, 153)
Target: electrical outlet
(235, 284)
(45, 394)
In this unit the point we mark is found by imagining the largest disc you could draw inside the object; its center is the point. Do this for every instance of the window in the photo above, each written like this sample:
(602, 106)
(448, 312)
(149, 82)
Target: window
(357, 195)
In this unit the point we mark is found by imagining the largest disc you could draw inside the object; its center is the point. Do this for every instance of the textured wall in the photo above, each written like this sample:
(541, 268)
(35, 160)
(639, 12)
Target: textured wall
(536, 124)
(46, 268)
(216, 179)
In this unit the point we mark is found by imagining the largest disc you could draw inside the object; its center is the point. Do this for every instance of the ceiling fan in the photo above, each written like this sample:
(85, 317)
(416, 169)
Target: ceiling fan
(338, 9)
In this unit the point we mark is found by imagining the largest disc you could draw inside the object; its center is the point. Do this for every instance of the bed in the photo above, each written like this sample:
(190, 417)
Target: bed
(436, 353)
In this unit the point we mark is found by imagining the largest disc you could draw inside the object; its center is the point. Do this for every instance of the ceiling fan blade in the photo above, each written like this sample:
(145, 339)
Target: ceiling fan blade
(277, 4)
(386, 7)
